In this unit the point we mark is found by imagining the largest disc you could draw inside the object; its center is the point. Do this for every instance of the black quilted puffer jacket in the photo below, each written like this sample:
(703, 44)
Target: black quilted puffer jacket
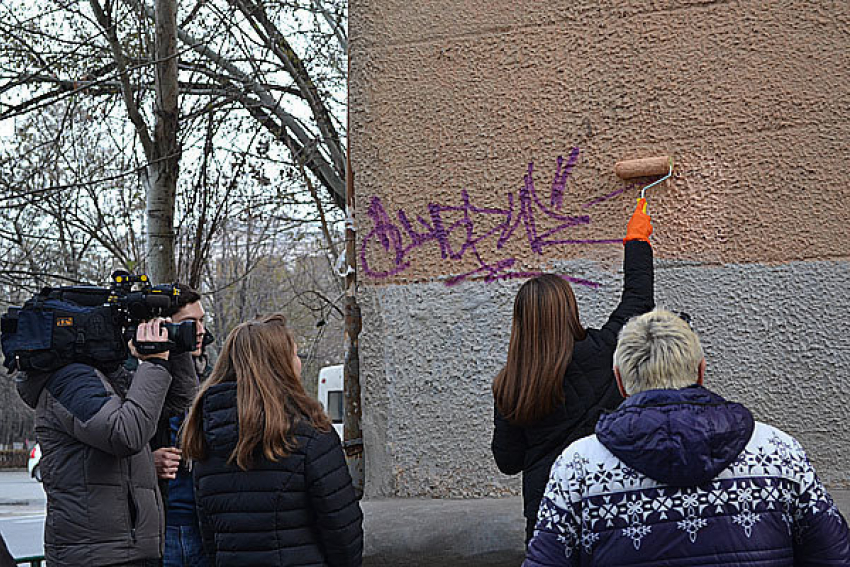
(589, 390)
(300, 510)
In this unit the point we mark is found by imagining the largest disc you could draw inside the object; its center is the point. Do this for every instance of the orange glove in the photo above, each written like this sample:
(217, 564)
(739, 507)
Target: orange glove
(639, 227)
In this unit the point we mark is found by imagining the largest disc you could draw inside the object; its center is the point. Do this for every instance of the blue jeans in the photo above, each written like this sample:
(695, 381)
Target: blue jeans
(183, 547)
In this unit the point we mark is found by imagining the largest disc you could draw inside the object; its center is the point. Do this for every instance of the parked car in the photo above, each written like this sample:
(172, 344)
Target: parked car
(331, 395)
(34, 462)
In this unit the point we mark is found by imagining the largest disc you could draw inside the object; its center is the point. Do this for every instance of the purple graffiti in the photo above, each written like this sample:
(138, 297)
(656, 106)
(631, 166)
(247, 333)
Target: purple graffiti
(559, 185)
(398, 237)
(608, 196)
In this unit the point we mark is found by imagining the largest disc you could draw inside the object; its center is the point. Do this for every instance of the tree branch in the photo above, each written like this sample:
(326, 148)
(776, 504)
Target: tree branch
(323, 170)
(259, 20)
(340, 34)
(133, 113)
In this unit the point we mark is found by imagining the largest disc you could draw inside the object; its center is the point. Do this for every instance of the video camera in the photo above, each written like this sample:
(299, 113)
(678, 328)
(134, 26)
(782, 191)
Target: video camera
(90, 324)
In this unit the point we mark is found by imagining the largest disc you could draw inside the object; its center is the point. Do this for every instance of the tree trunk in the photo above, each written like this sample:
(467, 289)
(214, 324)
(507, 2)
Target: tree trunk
(164, 164)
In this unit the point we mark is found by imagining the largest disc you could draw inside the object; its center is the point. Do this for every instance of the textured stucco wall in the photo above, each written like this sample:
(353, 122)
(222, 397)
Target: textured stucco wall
(773, 338)
(451, 100)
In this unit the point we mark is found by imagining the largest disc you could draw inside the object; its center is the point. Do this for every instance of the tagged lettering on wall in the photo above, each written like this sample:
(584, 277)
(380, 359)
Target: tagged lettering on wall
(390, 240)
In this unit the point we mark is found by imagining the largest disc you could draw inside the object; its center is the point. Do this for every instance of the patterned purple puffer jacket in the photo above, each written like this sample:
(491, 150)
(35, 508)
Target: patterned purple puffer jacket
(683, 477)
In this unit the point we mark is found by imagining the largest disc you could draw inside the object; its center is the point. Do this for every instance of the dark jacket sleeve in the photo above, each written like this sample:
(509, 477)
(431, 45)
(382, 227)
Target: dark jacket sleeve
(822, 534)
(181, 393)
(97, 416)
(638, 290)
(557, 532)
(338, 515)
(184, 385)
(546, 549)
(508, 445)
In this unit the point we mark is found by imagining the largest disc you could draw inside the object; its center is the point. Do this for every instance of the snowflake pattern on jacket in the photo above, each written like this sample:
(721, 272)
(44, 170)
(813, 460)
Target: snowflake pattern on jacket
(595, 502)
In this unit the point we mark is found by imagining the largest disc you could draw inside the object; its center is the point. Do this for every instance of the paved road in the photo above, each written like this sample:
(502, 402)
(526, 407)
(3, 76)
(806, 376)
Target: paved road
(20, 495)
(22, 503)
(23, 534)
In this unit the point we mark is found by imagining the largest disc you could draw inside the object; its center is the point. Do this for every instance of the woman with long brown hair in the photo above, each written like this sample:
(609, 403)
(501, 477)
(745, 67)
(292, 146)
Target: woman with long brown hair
(558, 377)
(271, 484)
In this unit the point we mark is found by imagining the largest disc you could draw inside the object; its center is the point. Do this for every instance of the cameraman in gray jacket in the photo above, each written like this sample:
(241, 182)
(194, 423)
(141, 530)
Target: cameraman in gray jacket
(94, 424)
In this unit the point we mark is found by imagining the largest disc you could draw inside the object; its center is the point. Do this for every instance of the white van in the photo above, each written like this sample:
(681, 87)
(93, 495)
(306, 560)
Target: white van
(331, 395)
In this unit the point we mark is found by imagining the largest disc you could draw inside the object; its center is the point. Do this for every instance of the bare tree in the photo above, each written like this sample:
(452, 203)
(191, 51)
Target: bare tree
(259, 274)
(78, 230)
(240, 52)
(17, 420)
(87, 89)
(160, 148)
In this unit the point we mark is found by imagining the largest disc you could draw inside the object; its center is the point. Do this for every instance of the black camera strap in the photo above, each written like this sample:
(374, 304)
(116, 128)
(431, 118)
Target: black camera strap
(80, 341)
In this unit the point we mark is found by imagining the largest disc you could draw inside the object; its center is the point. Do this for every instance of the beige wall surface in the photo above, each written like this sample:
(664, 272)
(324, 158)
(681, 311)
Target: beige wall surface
(451, 101)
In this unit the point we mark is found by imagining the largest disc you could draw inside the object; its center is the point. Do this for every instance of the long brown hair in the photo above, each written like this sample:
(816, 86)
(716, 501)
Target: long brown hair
(260, 357)
(544, 330)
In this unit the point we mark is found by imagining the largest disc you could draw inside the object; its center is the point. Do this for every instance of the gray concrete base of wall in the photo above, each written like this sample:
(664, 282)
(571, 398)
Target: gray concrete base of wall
(436, 533)
(774, 337)
(486, 532)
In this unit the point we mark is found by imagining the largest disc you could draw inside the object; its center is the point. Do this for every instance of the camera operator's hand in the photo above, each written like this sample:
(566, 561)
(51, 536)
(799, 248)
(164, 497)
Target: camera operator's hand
(166, 461)
(150, 332)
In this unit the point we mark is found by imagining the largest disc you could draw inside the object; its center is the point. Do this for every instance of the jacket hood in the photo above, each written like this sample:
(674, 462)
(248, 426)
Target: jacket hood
(30, 385)
(680, 437)
(220, 418)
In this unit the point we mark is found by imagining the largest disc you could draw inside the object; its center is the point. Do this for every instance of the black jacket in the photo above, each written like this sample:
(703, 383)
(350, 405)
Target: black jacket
(300, 510)
(103, 506)
(589, 389)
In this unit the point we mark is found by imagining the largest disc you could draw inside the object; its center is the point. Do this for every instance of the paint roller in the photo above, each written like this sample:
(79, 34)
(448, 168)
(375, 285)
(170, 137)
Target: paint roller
(646, 167)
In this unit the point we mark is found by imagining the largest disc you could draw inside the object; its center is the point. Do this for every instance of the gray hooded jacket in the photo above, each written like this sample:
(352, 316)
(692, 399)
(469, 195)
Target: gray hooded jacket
(103, 506)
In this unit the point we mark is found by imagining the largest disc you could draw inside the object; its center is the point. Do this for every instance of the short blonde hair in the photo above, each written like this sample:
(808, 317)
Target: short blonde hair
(657, 350)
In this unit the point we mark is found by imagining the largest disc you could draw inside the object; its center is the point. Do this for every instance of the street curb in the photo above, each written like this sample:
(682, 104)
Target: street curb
(487, 532)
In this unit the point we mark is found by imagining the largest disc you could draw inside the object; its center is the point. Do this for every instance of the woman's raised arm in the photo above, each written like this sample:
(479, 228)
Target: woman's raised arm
(639, 279)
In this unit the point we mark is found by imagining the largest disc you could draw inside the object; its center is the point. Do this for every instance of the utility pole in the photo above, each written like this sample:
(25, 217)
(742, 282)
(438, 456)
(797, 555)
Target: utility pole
(353, 442)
